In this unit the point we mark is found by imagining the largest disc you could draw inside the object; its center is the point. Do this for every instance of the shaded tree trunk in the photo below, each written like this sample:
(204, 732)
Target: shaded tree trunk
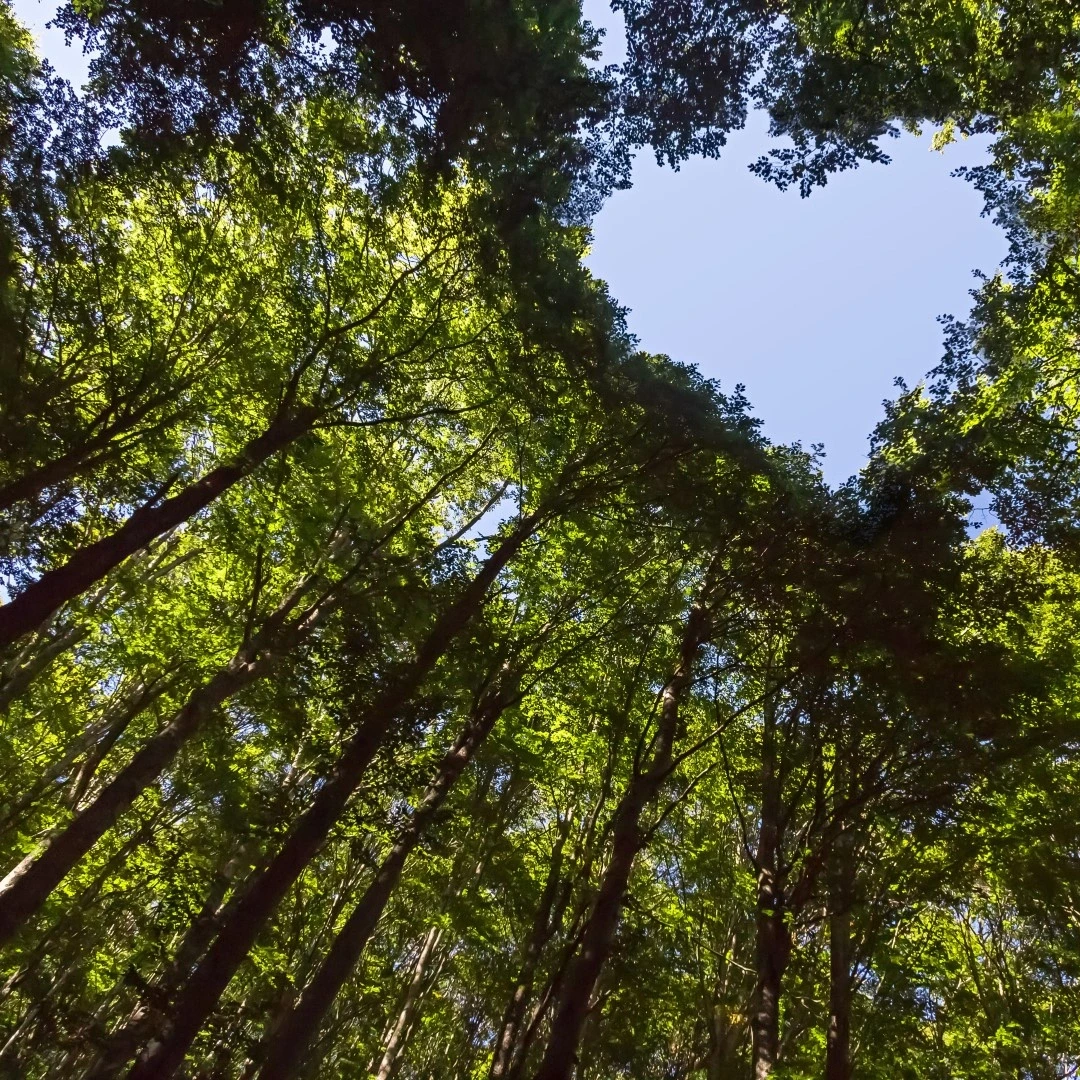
(841, 957)
(550, 993)
(560, 1056)
(63, 928)
(296, 1031)
(539, 935)
(28, 885)
(146, 1016)
(773, 935)
(202, 991)
(30, 486)
(103, 446)
(25, 674)
(838, 1040)
(89, 564)
(395, 1045)
(773, 954)
(552, 987)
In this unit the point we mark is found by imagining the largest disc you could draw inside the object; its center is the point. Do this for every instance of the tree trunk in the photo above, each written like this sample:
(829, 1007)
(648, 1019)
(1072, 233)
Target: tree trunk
(207, 983)
(841, 896)
(29, 487)
(118, 721)
(28, 885)
(396, 1043)
(553, 984)
(25, 674)
(86, 743)
(89, 455)
(296, 1031)
(63, 929)
(724, 1038)
(773, 953)
(552, 988)
(30, 608)
(146, 1016)
(540, 933)
(726, 1024)
(838, 1044)
(773, 934)
(560, 1057)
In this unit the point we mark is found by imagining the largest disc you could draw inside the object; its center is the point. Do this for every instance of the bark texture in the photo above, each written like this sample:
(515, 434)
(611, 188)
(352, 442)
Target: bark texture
(841, 959)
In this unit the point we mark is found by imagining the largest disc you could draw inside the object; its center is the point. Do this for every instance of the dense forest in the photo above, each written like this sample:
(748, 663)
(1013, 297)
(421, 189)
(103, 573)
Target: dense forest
(403, 675)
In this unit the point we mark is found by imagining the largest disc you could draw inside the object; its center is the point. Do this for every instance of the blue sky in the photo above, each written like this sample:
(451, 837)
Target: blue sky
(35, 14)
(816, 304)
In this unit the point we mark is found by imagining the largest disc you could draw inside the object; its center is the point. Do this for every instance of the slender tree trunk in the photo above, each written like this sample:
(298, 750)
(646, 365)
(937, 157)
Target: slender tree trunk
(560, 1057)
(773, 934)
(146, 1016)
(539, 935)
(94, 757)
(838, 1044)
(841, 896)
(552, 987)
(28, 885)
(35, 1012)
(29, 486)
(202, 991)
(550, 993)
(119, 721)
(88, 565)
(86, 743)
(396, 1043)
(62, 929)
(296, 1031)
(89, 455)
(25, 674)
(726, 1025)
(23, 1026)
